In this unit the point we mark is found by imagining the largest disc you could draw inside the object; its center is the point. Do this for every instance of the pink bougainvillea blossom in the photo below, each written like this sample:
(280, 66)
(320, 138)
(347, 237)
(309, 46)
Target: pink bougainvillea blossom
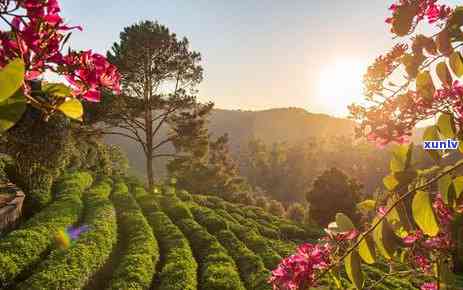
(429, 286)
(38, 37)
(299, 270)
(422, 9)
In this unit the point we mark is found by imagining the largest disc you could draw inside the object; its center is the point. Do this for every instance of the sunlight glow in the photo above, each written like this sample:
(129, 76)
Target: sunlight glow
(341, 84)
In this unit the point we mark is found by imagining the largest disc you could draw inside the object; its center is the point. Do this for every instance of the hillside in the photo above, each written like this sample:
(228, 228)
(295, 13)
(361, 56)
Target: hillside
(168, 239)
(275, 125)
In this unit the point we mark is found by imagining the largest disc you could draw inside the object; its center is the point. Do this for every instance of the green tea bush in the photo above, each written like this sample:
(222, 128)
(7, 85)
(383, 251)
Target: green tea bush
(25, 246)
(252, 240)
(184, 195)
(179, 268)
(218, 271)
(292, 232)
(251, 267)
(206, 217)
(283, 248)
(216, 202)
(257, 244)
(175, 208)
(72, 268)
(138, 260)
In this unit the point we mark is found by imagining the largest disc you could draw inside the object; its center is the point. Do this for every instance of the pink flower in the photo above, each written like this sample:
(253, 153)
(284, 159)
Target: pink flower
(443, 212)
(381, 211)
(423, 263)
(440, 242)
(347, 236)
(38, 39)
(429, 286)
(88, 72)
(298, 271)
(412, 238)
(435, 12)
(422, 9)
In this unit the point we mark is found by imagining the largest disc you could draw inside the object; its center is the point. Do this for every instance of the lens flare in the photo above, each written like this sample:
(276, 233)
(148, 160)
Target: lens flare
(65, 238)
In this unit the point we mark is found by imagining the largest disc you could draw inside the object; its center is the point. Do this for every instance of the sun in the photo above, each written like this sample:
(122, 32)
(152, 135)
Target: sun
(341, 85)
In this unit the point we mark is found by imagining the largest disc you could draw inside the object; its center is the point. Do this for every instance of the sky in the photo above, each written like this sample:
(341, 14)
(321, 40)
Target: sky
(257, 54)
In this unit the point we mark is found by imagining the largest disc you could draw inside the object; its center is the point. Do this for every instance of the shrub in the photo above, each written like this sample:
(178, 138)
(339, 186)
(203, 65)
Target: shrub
(251, 267)
(213, 222)
(283, 248)
(292, 232)
(244, 198)
(138, 192)
(262, 202)
(216, 202)
(296, 212)
(184, 195)
(217, 268)
(175, 208)
(252, 240)
(3, 164)
(138, 260)
(276, 208)
(257, 244)
(179, 269)
(72, 268)
(25, 246)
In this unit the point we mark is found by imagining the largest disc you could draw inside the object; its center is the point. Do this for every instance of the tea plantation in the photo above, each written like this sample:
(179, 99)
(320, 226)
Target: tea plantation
(167, 239)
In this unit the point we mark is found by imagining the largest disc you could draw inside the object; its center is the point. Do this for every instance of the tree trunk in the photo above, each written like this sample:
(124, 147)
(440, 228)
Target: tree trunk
(149, 135)
(149, 170)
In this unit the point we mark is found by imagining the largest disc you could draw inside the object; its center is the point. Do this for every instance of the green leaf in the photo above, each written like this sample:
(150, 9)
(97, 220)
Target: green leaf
(446, 276)
(367, 250)
(402, 155)
(423, 214)
(443, 73)
(337, 279)
(57, 90)
(456, 63)
(344, 222)
(390, 182)
(446, 126)
(443, 185)
(432, 133)
(353, 269)
(458, 186)
(11, 111)
(396, 218)
(424, 85)
(366, 206)
(72, 108)
(11, 78)
(404, 178)
(384, 238)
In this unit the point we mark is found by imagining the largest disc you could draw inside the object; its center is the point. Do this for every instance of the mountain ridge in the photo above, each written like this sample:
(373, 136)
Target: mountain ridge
(290, 125)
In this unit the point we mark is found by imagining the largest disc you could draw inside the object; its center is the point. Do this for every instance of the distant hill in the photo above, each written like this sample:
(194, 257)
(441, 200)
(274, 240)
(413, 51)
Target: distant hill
(285, 124)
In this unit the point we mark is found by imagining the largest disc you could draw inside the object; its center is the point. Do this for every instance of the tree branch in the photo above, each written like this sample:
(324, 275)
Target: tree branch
(381, 219)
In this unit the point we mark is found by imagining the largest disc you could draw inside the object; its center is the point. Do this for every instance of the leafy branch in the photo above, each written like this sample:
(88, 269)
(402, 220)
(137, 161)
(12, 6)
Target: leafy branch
(382, 218)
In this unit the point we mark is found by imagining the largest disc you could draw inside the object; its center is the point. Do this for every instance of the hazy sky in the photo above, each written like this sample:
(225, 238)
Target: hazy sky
(257, 54)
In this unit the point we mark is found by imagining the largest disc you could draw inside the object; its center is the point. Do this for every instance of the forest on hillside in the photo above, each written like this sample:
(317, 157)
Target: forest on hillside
(280, 199)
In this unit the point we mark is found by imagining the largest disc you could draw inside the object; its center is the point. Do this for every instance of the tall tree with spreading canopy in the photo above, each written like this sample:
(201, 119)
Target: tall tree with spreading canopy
(159, 76)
